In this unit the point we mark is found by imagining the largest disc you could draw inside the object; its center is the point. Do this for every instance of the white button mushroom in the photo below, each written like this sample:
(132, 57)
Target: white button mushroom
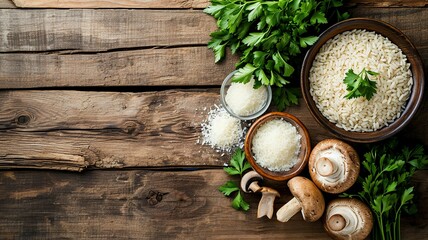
(307, 198)
(250, 183)
(348, 218)
(334, 166)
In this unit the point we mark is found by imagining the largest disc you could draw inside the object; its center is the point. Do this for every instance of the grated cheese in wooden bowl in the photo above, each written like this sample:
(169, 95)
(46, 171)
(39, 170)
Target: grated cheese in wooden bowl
(276, 145)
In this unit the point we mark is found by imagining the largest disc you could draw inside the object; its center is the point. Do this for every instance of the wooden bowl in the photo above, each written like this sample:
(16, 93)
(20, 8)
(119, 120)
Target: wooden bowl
(305, 147)
(395, 36)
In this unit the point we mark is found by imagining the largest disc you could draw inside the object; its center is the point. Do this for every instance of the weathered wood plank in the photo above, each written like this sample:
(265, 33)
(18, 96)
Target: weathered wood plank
(101, 30)
(111, 3)
(187, 66)
(149, 205)
(72, 130)
(388, 3)
(93, 30)
(183, 66)
(181, 4)
(7, 4)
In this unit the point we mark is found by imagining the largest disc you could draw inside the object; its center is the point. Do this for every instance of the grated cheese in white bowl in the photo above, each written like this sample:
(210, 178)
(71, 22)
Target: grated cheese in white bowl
(276, 145)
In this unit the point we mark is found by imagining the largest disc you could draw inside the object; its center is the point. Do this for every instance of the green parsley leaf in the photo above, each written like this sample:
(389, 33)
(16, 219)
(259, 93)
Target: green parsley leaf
(407, 195)
(238, 163)
(262, 77)
(294, 48)
(214, 10)
(256, 11)
(253, 39)
(360, 85)
(239, 203)
(284, 97)
(308, 41)
(244, 75)
(237, 166)
(318, 17)
(228, 188)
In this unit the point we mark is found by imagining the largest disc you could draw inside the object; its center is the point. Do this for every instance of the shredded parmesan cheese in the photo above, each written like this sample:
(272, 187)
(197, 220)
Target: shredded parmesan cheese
(276, 145)
(244, 100)
(221, 130)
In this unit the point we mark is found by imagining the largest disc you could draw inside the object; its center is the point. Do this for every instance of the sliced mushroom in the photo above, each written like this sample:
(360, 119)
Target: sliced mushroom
(334, 166)
(307, 198)
(348, 218)
(250, 183)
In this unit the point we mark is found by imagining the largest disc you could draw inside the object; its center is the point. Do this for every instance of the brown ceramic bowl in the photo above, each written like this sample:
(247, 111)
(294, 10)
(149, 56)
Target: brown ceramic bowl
(305, 148)
(398, 38)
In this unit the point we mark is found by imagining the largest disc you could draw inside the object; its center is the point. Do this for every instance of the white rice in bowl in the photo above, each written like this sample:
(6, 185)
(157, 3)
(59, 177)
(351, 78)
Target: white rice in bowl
(358, 49)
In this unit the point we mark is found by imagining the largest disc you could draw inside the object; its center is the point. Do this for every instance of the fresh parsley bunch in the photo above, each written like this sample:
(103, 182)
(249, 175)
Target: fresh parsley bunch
(386, 187)
(271, 37)
(238, 165)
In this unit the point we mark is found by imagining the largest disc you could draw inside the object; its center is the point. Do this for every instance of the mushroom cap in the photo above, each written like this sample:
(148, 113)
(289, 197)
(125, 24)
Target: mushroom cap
(248, 178)
(268, 190)
(309, 196)
(347, 155)
(362, 212)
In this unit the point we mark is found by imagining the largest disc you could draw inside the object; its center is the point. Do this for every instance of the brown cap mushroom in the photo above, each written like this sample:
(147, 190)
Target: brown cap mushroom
(307, 198)
(334, 166)
(348, 218)
(250, 183)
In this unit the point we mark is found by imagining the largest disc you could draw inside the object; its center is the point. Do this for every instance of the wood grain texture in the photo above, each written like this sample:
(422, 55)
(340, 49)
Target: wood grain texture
(111, 3)
(178, 66)
(71, 130)
(181, 4)
(150, 205)
(80, 30)
(7, 4)
(186, 66)
(388, 3)
(101, 30)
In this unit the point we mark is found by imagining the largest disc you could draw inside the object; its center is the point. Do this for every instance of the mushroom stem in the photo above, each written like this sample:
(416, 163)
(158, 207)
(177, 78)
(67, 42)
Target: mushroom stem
(344, 220)
(337, 222)
(326, 167)
(288, 210)
(254, 186)
(266, 202)
(250, 183)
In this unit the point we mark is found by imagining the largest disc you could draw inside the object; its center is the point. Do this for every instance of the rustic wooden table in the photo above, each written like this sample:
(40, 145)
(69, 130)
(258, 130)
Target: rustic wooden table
(100, 114)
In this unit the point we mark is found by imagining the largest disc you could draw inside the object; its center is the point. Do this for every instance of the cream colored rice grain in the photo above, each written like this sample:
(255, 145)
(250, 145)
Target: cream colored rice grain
(356, 50)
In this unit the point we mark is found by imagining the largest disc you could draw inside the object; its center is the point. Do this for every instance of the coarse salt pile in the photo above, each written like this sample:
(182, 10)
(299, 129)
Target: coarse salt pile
(221, 130)
(244, 100)
(276, 145)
